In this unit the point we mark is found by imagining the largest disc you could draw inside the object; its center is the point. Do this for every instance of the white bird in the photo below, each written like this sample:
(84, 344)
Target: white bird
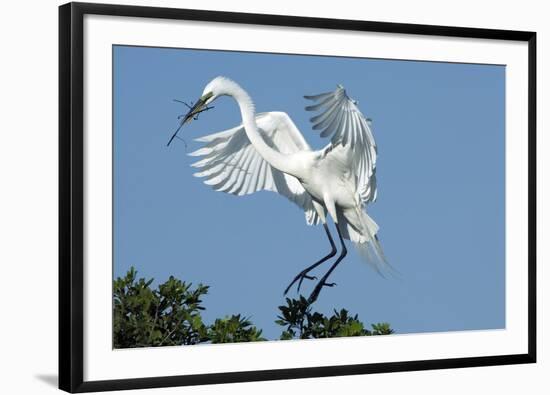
(268, 152)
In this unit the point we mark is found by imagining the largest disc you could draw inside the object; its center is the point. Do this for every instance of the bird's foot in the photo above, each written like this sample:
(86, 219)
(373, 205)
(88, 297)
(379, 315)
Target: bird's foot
(317, 290)
(300, 278)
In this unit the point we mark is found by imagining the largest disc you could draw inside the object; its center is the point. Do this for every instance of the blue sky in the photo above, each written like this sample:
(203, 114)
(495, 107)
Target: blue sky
(439, 128)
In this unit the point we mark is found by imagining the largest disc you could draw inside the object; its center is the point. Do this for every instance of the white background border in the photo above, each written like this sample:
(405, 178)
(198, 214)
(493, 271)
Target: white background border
(101, 362)
(28, 204)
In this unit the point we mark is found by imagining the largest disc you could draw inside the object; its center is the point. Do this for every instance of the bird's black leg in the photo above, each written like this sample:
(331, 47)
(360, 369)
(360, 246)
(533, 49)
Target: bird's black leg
(304, 273)
(323, 281)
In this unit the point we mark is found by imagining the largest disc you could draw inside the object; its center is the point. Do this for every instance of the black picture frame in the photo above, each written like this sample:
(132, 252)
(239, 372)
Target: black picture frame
(71, 195)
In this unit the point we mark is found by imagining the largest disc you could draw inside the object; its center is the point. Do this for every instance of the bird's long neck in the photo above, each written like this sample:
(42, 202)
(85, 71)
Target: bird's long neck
(275, 158)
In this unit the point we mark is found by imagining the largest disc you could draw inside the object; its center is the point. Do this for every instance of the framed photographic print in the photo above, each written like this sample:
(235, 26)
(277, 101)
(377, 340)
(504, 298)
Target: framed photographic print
(251, 197)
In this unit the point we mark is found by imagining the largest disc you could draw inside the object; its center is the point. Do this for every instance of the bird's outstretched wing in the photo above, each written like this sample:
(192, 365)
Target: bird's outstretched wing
(231, 164)
(352, 138)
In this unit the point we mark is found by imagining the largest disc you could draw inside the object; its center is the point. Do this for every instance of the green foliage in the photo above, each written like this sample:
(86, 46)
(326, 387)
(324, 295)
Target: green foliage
(171, 315)
(301, 322)
(234, 329)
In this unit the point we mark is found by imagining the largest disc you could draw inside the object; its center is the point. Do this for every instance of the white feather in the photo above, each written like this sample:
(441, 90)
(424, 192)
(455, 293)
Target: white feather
(244, 169)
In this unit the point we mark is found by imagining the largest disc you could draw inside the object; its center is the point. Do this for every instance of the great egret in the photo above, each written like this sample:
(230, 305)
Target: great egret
(268, 152)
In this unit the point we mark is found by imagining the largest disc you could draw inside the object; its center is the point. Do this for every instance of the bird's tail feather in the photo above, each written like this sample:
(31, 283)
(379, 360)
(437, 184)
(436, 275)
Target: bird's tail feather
(357, 226)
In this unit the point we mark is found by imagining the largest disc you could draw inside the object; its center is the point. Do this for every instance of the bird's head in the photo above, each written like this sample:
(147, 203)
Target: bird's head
(219, 86)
